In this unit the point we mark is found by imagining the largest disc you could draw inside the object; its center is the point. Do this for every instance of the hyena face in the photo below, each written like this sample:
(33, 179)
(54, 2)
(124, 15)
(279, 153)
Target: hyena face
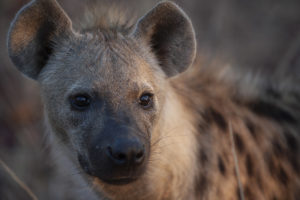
(103, 89)
(106, 105)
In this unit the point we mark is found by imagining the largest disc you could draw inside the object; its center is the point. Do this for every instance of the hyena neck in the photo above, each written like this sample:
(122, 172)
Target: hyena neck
(172, 163)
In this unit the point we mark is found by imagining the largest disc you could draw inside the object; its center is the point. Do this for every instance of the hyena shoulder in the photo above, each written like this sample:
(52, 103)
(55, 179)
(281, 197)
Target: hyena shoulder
(259, 122)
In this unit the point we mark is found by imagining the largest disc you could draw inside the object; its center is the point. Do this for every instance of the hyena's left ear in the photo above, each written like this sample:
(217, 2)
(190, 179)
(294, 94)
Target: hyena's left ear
(169, 32)
(32, 32)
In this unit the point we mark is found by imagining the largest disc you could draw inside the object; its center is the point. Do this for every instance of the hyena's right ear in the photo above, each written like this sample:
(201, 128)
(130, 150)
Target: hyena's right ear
(31, 34)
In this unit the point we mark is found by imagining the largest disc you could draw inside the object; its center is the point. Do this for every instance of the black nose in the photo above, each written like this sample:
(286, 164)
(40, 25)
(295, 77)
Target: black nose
(126, 152)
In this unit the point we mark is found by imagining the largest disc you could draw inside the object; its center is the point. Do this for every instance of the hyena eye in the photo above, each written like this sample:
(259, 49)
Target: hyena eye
(146, 100)
(80, 102)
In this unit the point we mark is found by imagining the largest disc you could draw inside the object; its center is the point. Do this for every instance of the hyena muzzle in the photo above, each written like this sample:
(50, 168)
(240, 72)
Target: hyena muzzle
(119, 105)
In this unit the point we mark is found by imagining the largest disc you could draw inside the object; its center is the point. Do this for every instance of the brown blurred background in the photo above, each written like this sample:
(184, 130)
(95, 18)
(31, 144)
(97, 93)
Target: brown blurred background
(257, 35)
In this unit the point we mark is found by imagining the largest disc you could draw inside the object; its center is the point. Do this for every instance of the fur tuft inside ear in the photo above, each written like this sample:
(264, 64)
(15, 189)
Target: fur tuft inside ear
(169, 32)
(31, 34)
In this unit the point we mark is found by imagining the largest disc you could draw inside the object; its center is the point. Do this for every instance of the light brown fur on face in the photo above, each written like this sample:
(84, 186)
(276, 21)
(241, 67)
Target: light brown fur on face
(207, 134)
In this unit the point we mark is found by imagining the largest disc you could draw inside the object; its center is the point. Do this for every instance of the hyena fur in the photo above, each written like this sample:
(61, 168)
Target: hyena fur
(122, 107)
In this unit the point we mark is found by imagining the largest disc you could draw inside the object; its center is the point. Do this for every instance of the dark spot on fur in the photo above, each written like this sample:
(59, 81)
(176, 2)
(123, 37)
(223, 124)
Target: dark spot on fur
(294, 161)
(270, 163)
(201, 182)
(203, 128)
(282, 176)
(274, 198)
(238, 142)
(201, 185)
(277, 148)
(212, 115)
(291, 142)
(273, 93)
(237, 100)
(259, 182)
(221, 166)
(248, 193)
(203, 157)
(271, 111)
(249, 165)
(292, 155)
(251, 127)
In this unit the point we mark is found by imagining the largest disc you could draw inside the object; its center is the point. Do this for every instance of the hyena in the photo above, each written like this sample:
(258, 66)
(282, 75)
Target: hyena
(122, 107)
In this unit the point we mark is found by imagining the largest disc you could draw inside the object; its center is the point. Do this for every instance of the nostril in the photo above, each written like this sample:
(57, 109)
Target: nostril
(121, 156)
(139, 156)
(115, 155)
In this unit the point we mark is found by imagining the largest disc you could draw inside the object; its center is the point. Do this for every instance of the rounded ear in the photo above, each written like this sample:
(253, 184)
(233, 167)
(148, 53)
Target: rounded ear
(31, 34)
(170, 34)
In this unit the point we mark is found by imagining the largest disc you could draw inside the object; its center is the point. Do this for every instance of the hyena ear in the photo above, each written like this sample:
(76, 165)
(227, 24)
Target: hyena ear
(31, 34)
(169, 32)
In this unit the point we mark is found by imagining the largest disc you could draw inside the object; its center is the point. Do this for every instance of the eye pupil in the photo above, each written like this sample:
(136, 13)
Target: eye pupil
(80, 102)
(145, 100)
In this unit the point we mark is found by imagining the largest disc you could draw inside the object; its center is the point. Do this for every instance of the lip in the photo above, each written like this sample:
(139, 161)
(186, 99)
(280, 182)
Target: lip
(120, 181)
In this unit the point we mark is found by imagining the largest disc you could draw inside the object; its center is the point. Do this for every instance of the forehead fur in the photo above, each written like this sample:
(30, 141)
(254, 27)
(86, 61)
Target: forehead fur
(107, 60)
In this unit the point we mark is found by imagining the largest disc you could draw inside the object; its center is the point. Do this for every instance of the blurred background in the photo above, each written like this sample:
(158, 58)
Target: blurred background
(258, 35)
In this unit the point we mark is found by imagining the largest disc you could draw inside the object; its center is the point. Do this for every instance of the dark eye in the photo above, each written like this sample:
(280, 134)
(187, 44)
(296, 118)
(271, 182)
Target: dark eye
(80, 102)
(146, 100)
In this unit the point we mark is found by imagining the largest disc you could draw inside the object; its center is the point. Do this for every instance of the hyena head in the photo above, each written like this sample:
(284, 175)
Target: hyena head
(103, 90)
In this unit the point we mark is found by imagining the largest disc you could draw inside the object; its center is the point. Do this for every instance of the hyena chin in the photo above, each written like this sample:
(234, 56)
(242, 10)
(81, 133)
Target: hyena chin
(120, 108)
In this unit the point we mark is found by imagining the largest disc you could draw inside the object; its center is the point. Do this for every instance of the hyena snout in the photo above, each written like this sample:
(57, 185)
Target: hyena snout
(126, 152)
(119, 161)
(117, 155)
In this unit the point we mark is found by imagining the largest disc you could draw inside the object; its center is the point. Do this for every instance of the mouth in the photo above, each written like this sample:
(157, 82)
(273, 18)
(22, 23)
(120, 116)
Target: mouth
(119, 181)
